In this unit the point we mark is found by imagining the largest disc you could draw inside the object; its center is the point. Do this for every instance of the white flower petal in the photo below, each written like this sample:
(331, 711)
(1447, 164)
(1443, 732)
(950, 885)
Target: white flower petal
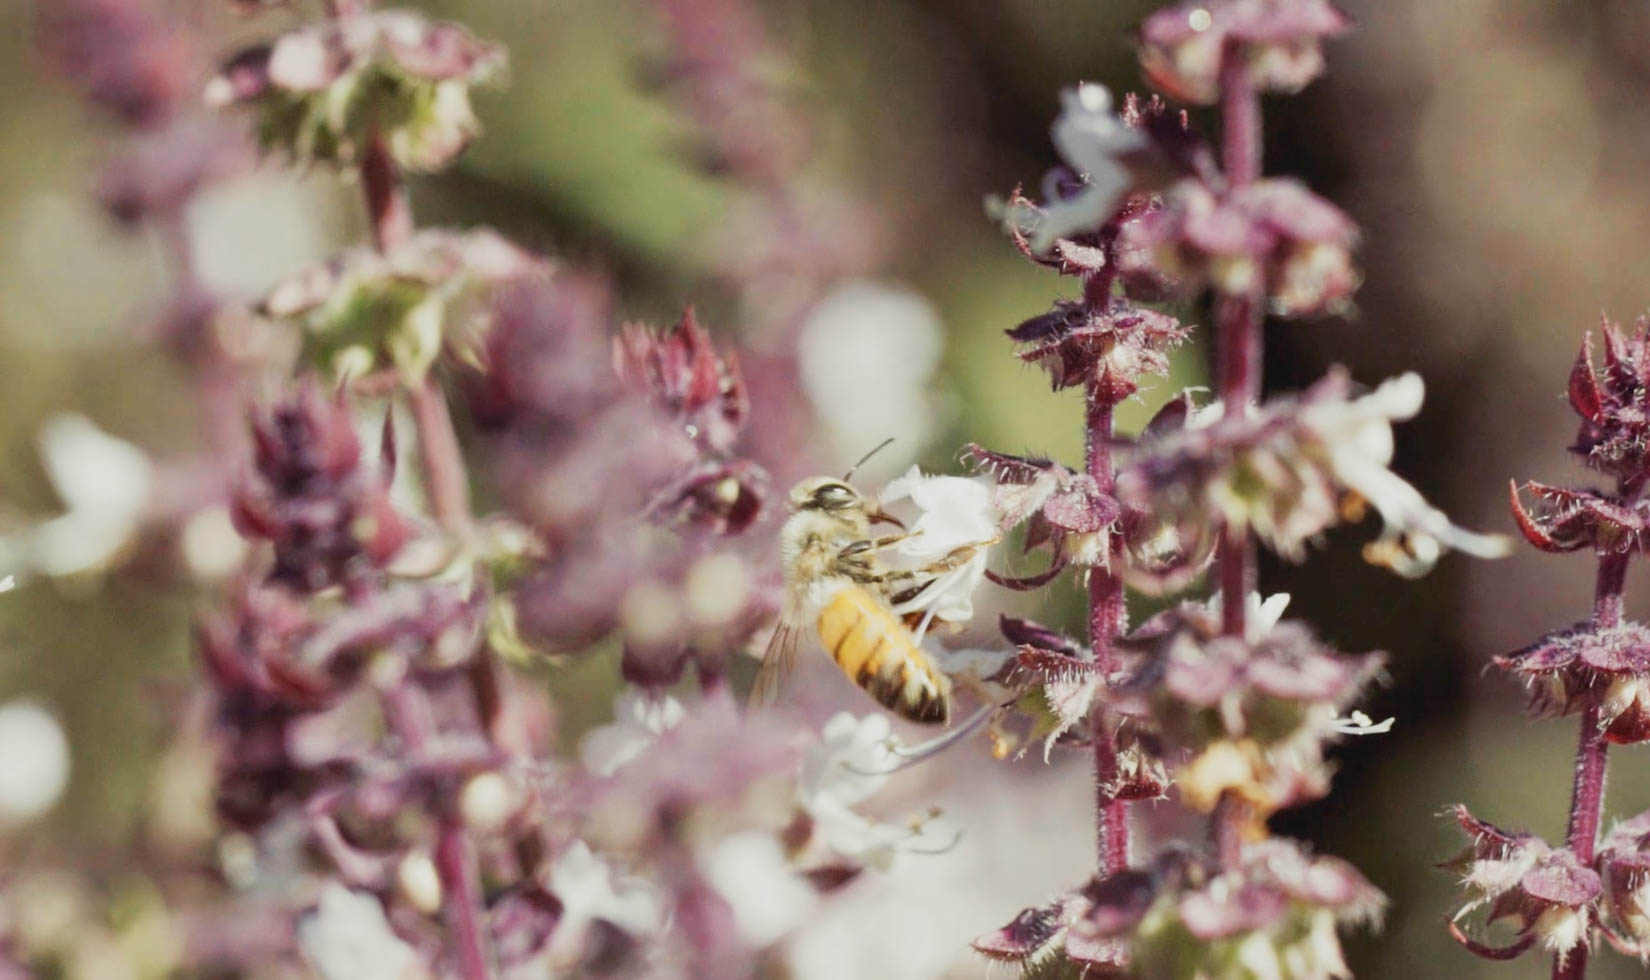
(767, 896)
(638, 721)
(347, 937)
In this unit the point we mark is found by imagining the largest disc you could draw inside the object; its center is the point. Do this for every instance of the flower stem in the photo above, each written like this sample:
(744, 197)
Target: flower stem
(1587, 797)
(1238, 343)
(1106, 612)
(389, 209)
(446, 478)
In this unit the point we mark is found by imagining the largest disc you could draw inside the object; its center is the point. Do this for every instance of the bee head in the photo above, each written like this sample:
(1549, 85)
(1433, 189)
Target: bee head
(826, 494)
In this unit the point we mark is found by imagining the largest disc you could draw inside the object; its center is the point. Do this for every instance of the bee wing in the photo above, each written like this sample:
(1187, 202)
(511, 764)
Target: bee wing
(777, 662)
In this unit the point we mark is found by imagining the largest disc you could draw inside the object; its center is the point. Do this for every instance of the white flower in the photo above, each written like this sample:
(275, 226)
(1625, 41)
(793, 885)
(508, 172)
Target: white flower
(850, 763)
(347, 937)
(943, 516)
(767, 896)
(36, 766)
(104, 483)
(1091, 139)
(1358, 437)
(867, 353)
(590, 891)
(638, 720)
(1259, 616)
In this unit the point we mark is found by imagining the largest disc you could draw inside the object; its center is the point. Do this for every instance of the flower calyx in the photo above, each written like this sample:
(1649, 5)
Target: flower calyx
(1274, 236)
(1104, 350)
(1583, 665)
(1280, 42)
(323, 91)
(1062, 510)
(1614, 404)
(364, 309)
(1545, 892)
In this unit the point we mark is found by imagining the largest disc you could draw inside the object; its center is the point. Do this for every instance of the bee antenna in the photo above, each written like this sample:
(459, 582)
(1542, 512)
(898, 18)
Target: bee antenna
(863, 459)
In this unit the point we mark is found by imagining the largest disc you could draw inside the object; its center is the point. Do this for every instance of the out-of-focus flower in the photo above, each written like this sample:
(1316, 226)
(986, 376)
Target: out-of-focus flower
(692, 382)
(1273, 234)
(364, 308)
(321, 89)
(769, 898)
(594, 896)
(1280, 42)
(347, 937)
(867, 354)
(950, 520)
(329, 518)
(1103, 151)
(1295, 468)
(105, 485)
(851, 763)
(1544, 891)
(132, 61)
(37, 761)
(1252, 712)
(161, 172)
(639, 718)
(1584, 665)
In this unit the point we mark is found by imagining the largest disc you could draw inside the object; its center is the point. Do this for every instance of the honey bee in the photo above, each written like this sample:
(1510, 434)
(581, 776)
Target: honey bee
(835, 581)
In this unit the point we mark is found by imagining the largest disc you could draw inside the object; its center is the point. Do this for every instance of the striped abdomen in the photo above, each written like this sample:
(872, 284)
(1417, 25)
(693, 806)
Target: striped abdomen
(876, 651)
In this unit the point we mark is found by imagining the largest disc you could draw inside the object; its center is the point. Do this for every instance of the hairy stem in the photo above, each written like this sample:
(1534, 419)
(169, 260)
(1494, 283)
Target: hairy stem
(1238, 343)
(1106, 614)
(1587, 796)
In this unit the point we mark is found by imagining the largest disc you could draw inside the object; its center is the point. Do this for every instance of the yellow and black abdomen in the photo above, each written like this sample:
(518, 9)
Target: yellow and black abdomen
(876, 651)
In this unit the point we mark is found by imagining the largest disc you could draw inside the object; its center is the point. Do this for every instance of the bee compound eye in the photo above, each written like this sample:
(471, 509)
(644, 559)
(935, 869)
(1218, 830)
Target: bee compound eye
(835, 496)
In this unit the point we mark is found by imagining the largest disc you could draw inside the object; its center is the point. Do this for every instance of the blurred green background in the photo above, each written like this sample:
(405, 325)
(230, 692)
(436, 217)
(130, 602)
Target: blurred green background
(1493, 153)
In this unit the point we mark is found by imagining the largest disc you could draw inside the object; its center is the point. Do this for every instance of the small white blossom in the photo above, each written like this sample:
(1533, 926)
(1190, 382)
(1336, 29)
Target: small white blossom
(638, 720)
(1358, 437)
(850, 763)
(36, 766)
(1259, 615)
(1092, 140)
(767, 896)
(590, 891)
(943, 516)
(347, 937)
(104, 483)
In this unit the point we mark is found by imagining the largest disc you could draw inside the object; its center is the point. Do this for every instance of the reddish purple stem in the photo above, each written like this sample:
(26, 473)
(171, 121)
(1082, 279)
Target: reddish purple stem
(1238, 342)
(1587, 797)
(1105, 622)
